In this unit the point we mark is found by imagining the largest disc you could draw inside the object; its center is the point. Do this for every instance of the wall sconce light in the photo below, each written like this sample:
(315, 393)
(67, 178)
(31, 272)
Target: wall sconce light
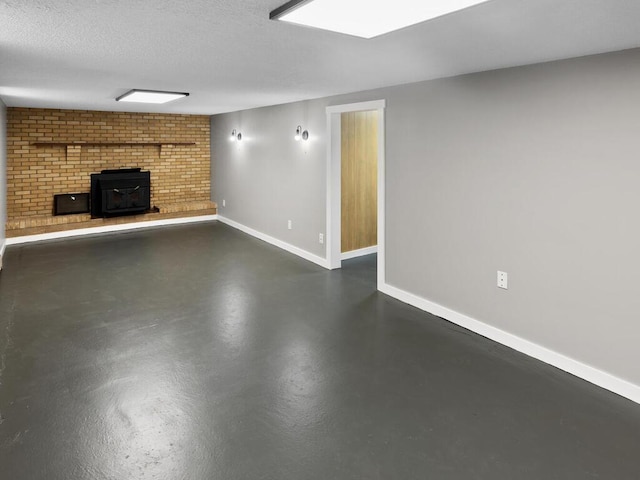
(235, 135)
(300, 134)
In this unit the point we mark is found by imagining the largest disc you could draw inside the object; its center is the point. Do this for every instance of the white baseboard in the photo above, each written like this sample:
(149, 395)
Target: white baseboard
(359, 253)
(579, 369)
(3, 247)
(274, 241)
(108, 228)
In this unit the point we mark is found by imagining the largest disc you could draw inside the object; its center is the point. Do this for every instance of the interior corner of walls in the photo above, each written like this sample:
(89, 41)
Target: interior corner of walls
(574, 367)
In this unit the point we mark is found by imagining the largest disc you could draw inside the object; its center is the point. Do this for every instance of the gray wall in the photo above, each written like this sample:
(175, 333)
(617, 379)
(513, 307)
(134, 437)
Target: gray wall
(268, 178)
(3, 173)
(532, 170)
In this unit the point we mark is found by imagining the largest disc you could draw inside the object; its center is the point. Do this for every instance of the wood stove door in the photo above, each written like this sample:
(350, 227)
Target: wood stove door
(125, 199)
(137, 197)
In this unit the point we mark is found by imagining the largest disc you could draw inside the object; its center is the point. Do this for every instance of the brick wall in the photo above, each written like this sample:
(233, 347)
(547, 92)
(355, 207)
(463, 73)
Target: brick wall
(43, 158)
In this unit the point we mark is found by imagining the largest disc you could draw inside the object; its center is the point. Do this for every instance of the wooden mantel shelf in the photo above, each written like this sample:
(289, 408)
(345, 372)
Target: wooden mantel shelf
(108, 144)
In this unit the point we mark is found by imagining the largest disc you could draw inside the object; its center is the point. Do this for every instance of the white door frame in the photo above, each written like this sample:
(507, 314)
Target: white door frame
(334, 153)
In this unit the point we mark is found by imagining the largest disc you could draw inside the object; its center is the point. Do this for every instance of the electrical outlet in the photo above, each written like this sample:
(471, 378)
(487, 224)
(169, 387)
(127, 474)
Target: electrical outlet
(290, 225)
(224, 202)
(321, 238)
(503, 280)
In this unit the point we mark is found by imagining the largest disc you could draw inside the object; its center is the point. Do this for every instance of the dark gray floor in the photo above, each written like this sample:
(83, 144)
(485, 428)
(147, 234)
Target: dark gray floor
(197, 352)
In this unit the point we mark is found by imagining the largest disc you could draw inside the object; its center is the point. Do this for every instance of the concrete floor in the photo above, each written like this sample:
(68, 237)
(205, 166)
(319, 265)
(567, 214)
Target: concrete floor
(197, 352)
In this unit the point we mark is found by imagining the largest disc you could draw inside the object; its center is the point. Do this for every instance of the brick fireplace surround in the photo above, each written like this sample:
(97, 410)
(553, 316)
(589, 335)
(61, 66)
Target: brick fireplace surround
(52, 152)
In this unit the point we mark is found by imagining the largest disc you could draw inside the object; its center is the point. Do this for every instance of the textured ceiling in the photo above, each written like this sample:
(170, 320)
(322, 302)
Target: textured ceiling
(230, 56)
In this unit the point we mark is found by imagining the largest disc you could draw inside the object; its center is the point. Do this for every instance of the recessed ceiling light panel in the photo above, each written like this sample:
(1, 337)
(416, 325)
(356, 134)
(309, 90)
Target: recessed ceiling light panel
(366, 18)
(150, 96)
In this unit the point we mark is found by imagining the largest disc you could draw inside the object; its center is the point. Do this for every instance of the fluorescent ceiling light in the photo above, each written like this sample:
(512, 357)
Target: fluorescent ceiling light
(150, 96)
(366, 18)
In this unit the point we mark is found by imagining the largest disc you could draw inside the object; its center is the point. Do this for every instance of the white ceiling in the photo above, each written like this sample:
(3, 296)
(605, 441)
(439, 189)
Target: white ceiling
(82, 54)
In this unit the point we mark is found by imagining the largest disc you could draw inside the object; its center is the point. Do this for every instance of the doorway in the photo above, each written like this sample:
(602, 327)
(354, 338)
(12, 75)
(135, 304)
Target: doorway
(334, 183)
(359, 184)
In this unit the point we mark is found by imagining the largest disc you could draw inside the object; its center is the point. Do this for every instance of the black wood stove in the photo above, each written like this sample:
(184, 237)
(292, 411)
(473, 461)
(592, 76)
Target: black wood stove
(120, 192)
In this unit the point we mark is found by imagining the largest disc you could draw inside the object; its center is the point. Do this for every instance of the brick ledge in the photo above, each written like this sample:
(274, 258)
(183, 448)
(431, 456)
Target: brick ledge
(37, 225)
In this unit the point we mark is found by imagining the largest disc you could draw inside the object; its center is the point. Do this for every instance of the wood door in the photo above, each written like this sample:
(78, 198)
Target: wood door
(359, 174)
